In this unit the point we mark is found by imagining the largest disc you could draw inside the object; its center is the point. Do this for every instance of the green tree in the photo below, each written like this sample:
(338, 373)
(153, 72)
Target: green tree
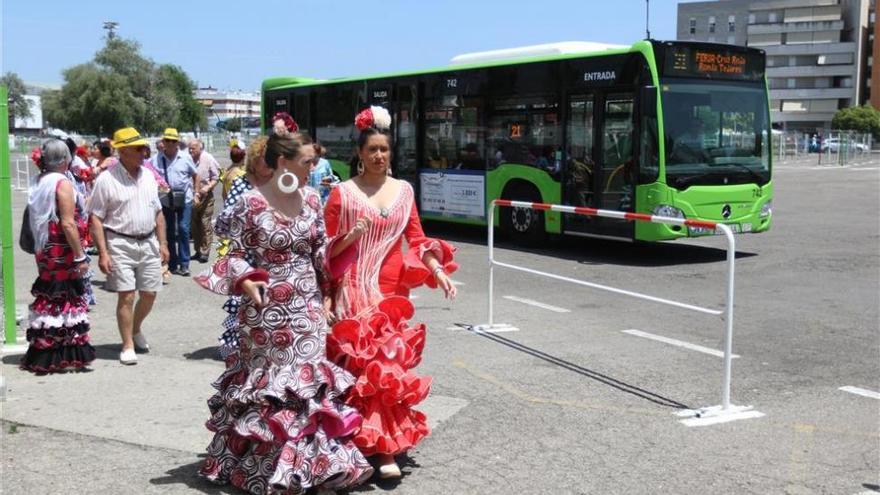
(19, 106)
(862, 119)
(179, 87)
(120, 87)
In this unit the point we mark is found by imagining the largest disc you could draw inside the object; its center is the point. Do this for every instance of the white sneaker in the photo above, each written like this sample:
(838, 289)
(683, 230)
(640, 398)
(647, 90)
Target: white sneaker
(128, 357)
(140, 342)
(389, 471)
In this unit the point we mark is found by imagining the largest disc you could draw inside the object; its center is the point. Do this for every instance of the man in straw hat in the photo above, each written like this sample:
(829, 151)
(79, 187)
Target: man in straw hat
(180, 173)
(129, 230)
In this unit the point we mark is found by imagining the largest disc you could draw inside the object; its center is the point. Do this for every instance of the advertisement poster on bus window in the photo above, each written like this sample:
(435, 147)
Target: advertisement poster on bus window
(453, 193)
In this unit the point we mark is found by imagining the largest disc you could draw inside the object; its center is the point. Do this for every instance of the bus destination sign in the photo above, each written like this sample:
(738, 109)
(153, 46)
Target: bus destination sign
(713, 63)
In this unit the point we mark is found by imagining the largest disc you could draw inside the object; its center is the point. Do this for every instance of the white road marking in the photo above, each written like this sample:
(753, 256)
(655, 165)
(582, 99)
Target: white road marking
(413, 296)
(677, 343)
(456, 282)
(541, 305)
(861, 391)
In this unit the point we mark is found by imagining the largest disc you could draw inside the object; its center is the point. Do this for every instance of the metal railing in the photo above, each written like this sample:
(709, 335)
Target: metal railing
(834, 147)
(717, 412)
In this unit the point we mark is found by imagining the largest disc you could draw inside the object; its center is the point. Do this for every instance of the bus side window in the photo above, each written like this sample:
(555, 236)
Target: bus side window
(334, 126)
(525, 130)
(454, 132)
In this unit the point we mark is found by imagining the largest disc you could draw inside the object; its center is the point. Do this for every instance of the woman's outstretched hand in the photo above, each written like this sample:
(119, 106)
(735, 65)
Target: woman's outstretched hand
(446, 284)
(255, 290)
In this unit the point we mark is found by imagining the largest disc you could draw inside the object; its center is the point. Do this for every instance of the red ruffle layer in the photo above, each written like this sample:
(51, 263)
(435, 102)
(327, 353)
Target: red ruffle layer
(380, 350)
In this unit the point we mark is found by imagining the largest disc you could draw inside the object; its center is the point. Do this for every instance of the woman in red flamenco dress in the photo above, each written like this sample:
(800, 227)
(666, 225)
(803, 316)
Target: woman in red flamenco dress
(367, 219)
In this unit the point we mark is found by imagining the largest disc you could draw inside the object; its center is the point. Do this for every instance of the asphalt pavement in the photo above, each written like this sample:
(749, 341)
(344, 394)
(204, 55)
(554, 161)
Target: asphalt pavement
(581, 398)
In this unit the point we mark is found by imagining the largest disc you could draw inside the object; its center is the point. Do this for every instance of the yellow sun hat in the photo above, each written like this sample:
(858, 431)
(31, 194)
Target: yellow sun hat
(128, 136)
(171, 134)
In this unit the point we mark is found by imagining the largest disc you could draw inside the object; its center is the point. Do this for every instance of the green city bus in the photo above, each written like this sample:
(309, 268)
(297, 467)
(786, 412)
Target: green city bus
(677, 129)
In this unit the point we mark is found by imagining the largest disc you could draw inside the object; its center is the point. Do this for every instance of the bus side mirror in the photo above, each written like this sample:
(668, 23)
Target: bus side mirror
(648, 97)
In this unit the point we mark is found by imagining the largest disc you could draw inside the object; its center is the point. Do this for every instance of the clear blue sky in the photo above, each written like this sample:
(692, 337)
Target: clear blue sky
(235, 45)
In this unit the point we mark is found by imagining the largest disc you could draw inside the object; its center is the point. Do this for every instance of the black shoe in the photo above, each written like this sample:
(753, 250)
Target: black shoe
(183, 272)
(202, 259)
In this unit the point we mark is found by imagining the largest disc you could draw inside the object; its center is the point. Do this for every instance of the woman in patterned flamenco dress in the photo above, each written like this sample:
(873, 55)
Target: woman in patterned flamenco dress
(367, 219)
(58, 324)
(279, 421)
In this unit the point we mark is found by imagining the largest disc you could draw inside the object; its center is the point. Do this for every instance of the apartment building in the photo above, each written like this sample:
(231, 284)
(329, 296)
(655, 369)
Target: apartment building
(817, 51)
(223, 105)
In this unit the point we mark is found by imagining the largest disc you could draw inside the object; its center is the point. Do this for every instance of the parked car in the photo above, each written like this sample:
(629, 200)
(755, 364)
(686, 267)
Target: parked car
(833, 145)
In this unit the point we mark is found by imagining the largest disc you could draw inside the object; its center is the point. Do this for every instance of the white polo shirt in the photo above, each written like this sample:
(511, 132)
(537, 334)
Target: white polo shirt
(126, 204)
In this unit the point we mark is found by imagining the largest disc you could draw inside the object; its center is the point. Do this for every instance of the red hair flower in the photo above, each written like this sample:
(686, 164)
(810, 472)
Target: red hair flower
(283, 121)
(82, 152)
(375, 116)
(364, 119)
(36, 155)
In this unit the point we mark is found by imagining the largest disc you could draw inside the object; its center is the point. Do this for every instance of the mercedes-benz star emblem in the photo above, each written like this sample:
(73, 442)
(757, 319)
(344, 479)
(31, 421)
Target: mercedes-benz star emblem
(725, 211)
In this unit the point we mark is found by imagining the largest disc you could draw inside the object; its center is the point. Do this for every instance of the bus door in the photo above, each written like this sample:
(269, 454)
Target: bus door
(578, 185)
(405, 155)
(600, 161)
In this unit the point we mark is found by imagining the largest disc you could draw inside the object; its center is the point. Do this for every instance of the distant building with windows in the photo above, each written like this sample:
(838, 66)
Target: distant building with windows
(872, 84)
(817, 51)
(224, 105)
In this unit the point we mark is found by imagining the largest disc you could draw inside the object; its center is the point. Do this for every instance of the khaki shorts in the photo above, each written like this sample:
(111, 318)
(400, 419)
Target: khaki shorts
(136, 264)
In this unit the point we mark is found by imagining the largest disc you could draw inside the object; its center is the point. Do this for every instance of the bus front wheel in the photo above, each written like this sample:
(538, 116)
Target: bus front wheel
(522, 225)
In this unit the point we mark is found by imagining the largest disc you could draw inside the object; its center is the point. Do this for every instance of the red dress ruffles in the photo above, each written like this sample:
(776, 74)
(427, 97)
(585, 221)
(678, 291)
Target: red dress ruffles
(373, 340)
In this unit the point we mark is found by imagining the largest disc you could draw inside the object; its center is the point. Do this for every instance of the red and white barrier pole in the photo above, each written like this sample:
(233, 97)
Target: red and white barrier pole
(708, 415)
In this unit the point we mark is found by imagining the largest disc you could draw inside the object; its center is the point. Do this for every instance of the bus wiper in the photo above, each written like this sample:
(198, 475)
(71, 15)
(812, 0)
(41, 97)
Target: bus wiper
(683, 180)
(755, 175)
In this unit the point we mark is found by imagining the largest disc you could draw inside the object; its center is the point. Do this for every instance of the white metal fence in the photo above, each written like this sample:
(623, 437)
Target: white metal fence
(832, 147)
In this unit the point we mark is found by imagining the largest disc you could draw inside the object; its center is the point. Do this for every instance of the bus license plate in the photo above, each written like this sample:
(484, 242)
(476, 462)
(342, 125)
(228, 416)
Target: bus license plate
(734, 227)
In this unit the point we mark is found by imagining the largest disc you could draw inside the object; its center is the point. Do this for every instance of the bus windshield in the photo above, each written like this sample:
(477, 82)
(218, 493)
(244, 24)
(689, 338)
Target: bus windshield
(716, 133)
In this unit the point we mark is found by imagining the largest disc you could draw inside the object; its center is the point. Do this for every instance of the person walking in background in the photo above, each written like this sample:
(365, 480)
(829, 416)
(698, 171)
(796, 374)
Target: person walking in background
(129, 229)
(321, 177)
(279, 422)
(58, 323)
(102, 153)
(80, 174)
(180, 173)
(235, 170)
(367, 218)
(203, 211)
(256, 174)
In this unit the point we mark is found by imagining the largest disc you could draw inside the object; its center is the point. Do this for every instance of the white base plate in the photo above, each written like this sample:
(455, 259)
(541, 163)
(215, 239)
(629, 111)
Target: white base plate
(494, 328)
(716, 414)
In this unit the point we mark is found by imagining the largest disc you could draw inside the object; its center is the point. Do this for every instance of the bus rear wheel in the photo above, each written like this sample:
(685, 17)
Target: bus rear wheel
(522, 225)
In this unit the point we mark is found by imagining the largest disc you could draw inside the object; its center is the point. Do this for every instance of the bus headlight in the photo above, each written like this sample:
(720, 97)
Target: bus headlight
(667, 211)
(767, 209)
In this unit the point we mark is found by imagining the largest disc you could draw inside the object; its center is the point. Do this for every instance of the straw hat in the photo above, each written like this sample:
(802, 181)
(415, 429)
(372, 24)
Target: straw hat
(128, 136)
(171, 134)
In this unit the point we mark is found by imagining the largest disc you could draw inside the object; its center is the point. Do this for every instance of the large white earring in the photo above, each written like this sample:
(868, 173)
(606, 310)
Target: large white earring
(360, 167)
(287, 189)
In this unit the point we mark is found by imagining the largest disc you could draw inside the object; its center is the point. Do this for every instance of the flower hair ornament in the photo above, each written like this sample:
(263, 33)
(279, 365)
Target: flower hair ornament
(283, 124)
(36, 156)
(375, 116)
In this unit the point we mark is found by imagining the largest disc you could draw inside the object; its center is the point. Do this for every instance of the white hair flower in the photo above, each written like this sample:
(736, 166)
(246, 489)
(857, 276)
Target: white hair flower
(381, 118)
